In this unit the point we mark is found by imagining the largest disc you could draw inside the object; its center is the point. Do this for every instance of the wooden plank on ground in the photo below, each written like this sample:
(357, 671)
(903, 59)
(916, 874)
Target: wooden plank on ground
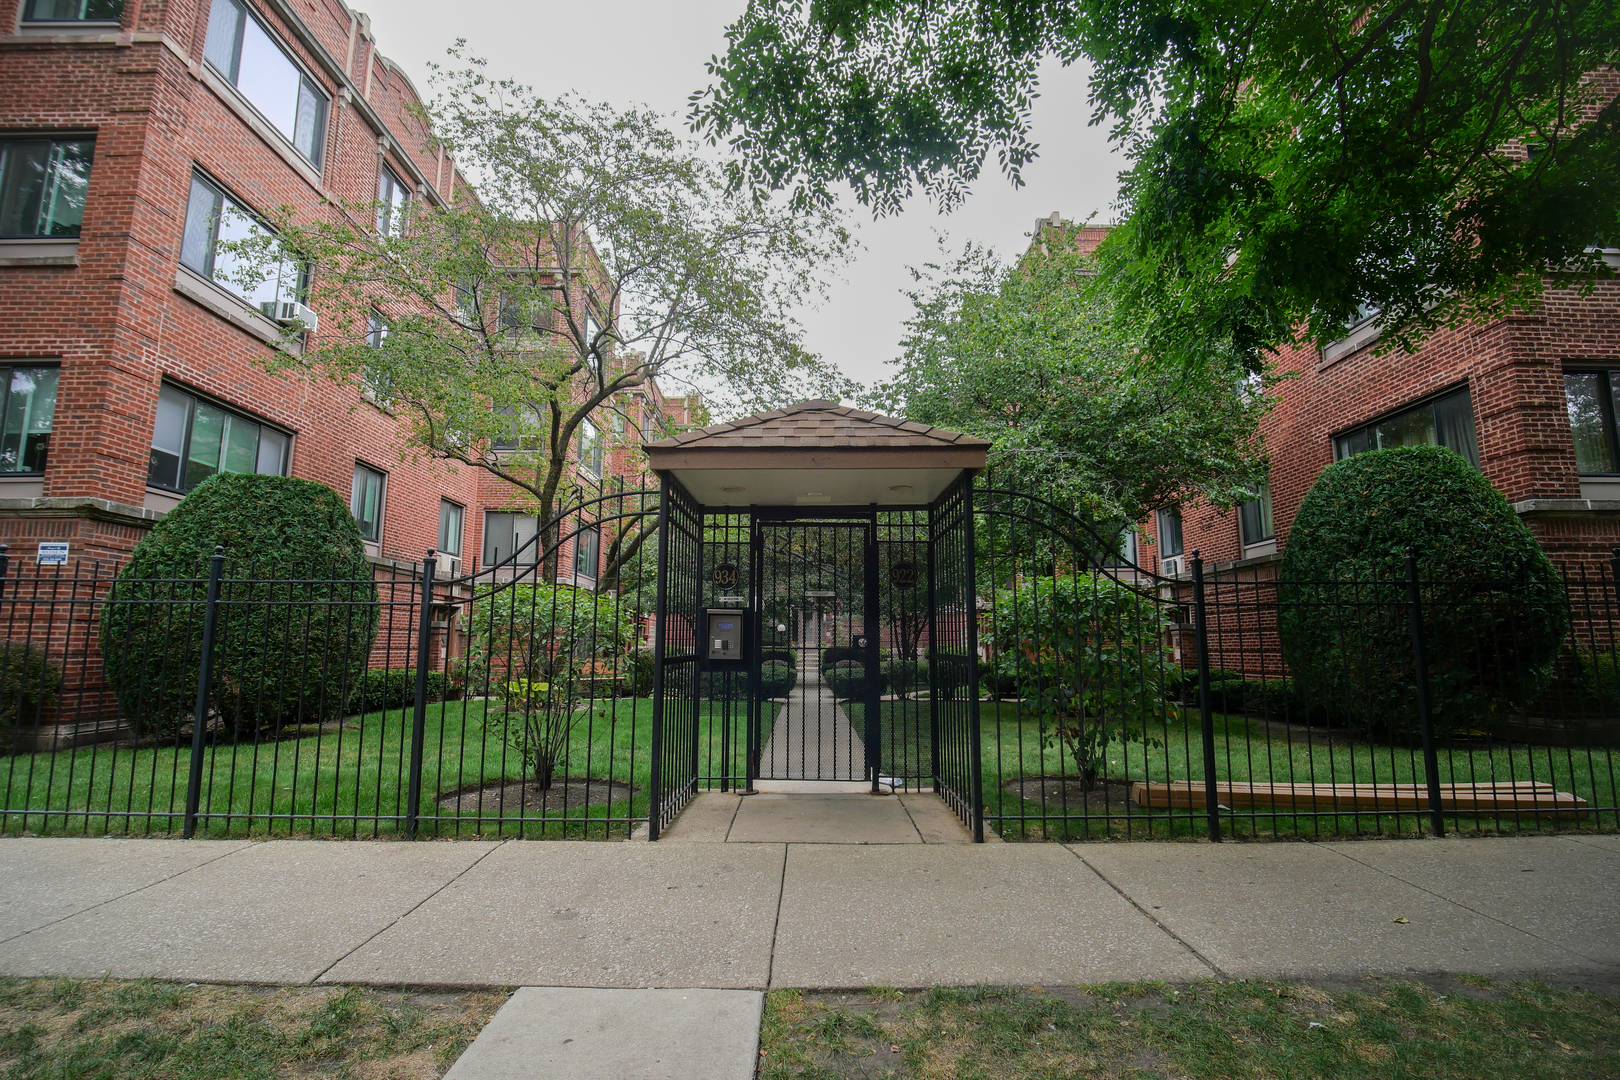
(1506, 797)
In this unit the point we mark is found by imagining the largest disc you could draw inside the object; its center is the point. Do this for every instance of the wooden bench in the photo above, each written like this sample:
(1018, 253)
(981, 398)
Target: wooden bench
(1517, 796)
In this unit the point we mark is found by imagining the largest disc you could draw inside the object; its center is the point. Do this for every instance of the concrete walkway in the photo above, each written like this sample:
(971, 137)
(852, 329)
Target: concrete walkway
(812, 738)
(757, 915)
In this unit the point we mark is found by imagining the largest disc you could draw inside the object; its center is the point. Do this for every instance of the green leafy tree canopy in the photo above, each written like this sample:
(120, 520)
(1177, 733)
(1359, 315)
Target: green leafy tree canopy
(1290, 162)
(1032, 359)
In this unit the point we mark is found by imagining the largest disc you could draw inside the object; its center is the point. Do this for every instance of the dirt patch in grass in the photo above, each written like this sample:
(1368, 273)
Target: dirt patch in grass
(109, 1030)
(518, 797)
(1067, 794)
(1441, 1029)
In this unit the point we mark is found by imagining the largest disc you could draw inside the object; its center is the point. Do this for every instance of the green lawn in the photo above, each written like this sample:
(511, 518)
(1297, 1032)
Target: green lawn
(352, 779)
(1011, 747)
(53, 1029)
(1462, 1029)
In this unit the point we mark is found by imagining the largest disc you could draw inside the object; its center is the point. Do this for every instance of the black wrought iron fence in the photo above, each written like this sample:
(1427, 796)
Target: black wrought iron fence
(1229, 703)
(1043, 687)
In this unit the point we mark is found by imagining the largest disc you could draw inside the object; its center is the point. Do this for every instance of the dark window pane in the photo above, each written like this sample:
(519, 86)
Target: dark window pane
(73, 10)
(1170, 542)
(450, 516)
(30, 405)
(168, 438)
(1583, 397)
(42, 186)
(207, 433)
(1454, 425)
(585, 554)
(1255, 518)
(365, 501)
(1415, 428)
(202, 227)
(241, 446)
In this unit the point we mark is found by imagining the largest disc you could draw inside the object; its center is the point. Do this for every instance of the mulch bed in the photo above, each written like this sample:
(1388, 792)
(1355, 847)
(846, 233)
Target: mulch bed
(1105, 796)
(521, 797)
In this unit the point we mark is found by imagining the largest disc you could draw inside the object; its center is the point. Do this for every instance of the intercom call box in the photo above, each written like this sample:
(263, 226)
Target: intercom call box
(725, 634)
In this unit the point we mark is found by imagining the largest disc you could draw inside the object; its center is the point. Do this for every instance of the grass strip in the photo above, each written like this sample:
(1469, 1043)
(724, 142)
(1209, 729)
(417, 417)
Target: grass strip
(1453, 1028)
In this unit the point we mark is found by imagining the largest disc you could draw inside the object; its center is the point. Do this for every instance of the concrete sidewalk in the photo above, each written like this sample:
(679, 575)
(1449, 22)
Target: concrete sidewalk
(752, 916)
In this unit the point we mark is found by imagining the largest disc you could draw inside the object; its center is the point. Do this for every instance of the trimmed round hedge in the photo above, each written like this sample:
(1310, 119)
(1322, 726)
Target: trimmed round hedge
(286, 652)
(776, 679)
(1493, 605)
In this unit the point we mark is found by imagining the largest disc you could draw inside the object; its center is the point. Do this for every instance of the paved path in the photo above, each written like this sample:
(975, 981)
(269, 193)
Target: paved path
(756, 915)
(814, 812)
(812, 738)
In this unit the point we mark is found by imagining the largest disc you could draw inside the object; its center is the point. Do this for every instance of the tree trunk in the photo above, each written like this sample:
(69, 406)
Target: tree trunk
(544, 767)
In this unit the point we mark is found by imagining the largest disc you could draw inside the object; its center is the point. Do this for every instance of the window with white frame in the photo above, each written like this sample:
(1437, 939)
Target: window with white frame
(73, 11)
(505, 533)
(524, 431)
(193, 439)
(29, 409)
(366, 501)
(587, 551)
(451, 518)
(590, 449)
(248, 56)
(43, 183)
(1170, 540)
(393, 199)
(214, 218)
(1254, 517)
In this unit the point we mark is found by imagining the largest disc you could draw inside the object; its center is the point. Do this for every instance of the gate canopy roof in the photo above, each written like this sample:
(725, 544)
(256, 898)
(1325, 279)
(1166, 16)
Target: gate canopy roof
(817, 453)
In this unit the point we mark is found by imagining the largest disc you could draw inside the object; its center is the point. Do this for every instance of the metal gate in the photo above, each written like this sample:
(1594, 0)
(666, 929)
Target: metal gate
(815, 716)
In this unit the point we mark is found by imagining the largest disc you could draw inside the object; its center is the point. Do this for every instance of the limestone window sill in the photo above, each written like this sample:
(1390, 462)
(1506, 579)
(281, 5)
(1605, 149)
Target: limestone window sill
(228, 306)
(40, 251)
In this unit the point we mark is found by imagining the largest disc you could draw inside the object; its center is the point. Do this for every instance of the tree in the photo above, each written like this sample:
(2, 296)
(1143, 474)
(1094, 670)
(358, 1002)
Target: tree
(1031, 359)
(1291, 163)
(599, 252)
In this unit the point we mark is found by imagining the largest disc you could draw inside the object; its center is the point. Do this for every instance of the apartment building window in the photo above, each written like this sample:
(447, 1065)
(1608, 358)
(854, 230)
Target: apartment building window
(43, 181)
(1170, 542)
(193, 439)
(366, 501)
(30, 406)
(213, 217)
(587, 549)
(1124, 552)
(1590, 397)
(393, 198)
(590, 449)
(451, 517)
(249, 57)
(524, 435)
(1447, 420)
(1254, 517)
(71, 11)
(506, 533)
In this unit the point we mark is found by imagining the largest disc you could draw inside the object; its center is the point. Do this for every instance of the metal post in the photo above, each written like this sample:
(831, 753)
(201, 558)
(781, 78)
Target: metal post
(1206, 715)
(756, 604)
(1431, 758)
(205, 677)
(5, 564)
(660, 621)
(874, 672)
(934, 684)
(971, 598)
(424, 634)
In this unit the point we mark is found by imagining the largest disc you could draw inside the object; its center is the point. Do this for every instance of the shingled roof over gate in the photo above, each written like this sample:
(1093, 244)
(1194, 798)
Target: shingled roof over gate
(820, 424)
(815, 452)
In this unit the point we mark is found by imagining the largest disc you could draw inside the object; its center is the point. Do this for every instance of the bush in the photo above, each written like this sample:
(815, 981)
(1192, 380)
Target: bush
(838, 654)
(1087, 659)
(846, 679)
(29, 687)
(394, 688)
(641, 673)
(790, 657)
(284, 652)
(1493, 606)
(776, 679)
(905, 676)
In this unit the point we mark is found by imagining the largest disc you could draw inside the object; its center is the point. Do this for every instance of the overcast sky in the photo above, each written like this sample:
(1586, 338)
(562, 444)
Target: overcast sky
(652, 52)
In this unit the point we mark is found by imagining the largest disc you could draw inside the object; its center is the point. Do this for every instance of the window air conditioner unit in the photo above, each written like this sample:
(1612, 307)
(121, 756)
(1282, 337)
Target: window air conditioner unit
(1173, 566)
(289, 313)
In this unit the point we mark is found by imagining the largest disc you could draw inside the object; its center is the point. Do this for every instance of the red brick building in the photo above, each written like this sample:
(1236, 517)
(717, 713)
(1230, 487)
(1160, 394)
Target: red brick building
(1531, 400)
(129, 129)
